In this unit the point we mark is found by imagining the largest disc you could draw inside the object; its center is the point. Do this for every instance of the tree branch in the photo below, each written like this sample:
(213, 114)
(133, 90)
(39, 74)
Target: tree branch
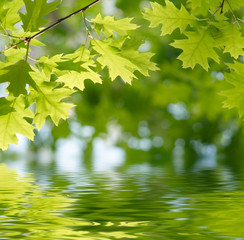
(27, 40)
(63, 19)
(222, 7)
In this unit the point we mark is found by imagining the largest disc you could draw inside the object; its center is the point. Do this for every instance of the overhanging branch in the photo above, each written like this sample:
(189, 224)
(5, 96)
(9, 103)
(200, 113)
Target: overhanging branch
(27, 40)
(63, 19)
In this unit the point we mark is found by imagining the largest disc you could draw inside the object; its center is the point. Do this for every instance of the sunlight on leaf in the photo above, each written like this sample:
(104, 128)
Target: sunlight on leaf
(110, 25)
(169, 16)
(197, 48)
(13, 120)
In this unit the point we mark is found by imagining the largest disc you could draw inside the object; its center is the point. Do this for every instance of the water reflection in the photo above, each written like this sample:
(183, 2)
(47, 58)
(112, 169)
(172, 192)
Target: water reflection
(32, 212)
(139, 201)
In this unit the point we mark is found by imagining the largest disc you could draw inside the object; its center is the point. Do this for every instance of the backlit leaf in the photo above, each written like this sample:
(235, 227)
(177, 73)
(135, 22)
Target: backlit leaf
(110, 25)
(35, 11)
(197, 48)
(111, 58)
(49, 101)
(9, 13)
(49, 64)
(141, 61)
(169, 16)
(231, 39)
(202, 7)
(12, 121)
(18, 76)
(76, 79)
(235, 96)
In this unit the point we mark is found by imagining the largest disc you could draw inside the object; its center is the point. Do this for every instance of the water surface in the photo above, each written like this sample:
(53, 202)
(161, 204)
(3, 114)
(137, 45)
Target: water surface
(136, 202)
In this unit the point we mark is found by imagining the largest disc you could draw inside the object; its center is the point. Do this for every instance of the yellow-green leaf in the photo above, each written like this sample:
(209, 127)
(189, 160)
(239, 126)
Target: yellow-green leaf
(232, 40)
(197, 48)
(235, 95)
(76, 79)
(12, 121)
(169, 16)
(49, 101)
(110, 25)
(117, 64)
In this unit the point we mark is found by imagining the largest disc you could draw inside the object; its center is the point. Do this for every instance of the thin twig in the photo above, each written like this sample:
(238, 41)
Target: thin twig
(83, 50)
(28, 39)
(87, 29)
(3, 28)
(63, 19)
(7, 33)
(10, 36)
(233, 14)
(27, 50)
(3, 34)
(12, 46)
(241, 20)
(219, 7)
(222, 7)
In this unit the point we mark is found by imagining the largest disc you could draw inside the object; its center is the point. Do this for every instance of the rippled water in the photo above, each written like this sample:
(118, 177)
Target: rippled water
(132, 203)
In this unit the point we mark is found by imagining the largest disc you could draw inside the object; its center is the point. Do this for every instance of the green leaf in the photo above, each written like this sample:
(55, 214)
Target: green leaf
(49, 100)
(80, 55)
(5, 106)
(35, 11)
(12, 121)
(169, 16)
(14, 55)
(202, 7)
(235, 96)
(76, 79)
(18, 76)
(110, 25)
(235, 5)
(9, 13)
(197, 48)
(141, 61)
(231, 39)
(33, 42)
(117, 64)
(76, 68)
(49, 64)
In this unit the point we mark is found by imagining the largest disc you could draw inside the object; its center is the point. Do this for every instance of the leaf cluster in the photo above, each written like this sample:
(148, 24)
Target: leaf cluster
(38, 89)
(210, 31)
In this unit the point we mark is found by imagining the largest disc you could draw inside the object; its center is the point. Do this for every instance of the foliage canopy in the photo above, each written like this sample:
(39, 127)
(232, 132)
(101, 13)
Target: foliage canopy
(40, 88)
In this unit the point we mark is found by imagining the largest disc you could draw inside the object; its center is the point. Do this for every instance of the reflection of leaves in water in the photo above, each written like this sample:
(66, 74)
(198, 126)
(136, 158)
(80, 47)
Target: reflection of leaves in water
(216, 215)
(27, 210)
(32, 212)
(223, 213)
(108, 211)
(155, 210)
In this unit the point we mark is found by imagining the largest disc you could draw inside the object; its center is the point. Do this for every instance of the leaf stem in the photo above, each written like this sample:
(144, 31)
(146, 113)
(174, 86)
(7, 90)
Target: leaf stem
(233, 14)
(27, 50)
(219, 7)
(241, 20)
(87, 29)
(7, 34)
